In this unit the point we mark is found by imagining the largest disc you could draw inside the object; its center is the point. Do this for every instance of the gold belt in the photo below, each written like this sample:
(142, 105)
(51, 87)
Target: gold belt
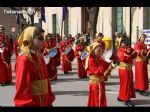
(140, 58)
(96, 79)
(124, 65)
(40, 87)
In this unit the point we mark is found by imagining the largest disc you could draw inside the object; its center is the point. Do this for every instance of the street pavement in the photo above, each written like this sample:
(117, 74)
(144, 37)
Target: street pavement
(72, 91)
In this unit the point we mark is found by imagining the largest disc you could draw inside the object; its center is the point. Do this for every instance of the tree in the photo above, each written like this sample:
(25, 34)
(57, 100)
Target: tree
(93, 16)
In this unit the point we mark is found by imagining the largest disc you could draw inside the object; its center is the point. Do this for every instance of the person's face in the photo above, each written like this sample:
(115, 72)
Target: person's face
(98, 51)
(42, 34)
(81, 41)
(123, 44)
(38, 42)
(99, 39)
(142, 38)
(48, 37)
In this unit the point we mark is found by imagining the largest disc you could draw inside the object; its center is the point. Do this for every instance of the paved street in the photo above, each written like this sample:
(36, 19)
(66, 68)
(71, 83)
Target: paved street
(72, 91)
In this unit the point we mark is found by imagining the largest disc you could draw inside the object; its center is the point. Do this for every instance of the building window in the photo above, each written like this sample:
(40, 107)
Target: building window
(119, 19)
(54, 23)
(148, 17)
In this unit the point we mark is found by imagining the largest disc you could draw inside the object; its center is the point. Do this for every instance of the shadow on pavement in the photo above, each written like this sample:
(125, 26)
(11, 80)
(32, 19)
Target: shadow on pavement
(141, 102)
(68, 80)
(12, 84)
(114, 77)
(74, 93)
(112, 83)
(70, 73)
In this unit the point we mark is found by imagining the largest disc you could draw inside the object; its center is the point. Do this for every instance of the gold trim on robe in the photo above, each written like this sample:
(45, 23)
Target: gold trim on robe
(124, 65)
(40, 87)
(139, 58)
(96, 79)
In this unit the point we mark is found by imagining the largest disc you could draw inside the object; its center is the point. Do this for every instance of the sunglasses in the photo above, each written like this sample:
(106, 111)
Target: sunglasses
(40, 38)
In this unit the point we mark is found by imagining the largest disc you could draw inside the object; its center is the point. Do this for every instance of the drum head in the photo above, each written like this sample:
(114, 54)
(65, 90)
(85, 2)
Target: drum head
(84, 55)
(46, 59)
(68, 50)
(53, 53)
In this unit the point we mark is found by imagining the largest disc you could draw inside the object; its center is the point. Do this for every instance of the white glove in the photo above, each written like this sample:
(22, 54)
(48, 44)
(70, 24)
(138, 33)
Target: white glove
(108, 60)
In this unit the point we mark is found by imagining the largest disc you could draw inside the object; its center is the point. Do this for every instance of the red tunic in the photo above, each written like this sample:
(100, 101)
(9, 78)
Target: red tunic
(126, 77)
(51, 66)
(5, 61)
(141, 71)
(80, 63)
(66, 66)
(97, 97)
(27, 73)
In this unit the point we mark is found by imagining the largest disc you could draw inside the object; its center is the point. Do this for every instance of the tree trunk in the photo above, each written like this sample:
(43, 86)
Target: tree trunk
(93, 16)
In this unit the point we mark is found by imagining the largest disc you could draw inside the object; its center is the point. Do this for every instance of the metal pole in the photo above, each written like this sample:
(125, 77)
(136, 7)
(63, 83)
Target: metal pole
(130, 24)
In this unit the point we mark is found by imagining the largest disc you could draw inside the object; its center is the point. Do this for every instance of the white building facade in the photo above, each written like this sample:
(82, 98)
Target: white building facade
(110, 20)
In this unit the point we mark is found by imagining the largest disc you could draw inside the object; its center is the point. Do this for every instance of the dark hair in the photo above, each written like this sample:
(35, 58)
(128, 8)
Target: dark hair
(100, 35)
(37, 32)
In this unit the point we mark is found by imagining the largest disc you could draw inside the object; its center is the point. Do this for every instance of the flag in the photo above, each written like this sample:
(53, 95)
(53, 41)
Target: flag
(18, 19)
(43, 14)
(65, 11)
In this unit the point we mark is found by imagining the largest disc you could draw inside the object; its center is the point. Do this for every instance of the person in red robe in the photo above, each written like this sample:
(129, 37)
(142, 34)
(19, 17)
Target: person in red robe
(5, 58)
(17, 50)
(70, 39)
(141, 71)
(51, 66)
(126, 54)
(99, 37)
(66, 65)
(33, 87)
(96, 68)
(80, 47)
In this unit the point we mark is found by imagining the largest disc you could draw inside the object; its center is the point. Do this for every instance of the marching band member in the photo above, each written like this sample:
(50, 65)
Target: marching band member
(66, 64)
(80, 47)
(96, 67)
(5, 58)
(51, 66)
(141, 71)
(32, 82)
(126, 54)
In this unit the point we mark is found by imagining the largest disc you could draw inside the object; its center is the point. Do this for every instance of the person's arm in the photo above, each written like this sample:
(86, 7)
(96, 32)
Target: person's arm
(23, 95)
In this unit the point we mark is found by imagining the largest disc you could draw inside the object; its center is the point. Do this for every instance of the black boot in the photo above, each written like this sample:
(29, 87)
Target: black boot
(3, 84)
(129, 104)
(65, 72)
(143, 93)
(136, 90)
(118, 99)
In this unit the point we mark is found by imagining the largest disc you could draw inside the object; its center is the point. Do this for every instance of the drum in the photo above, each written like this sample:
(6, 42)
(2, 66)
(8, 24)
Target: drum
(53, 53)
(68, 50)
(57, 58)
(84, 55)
(46, 59)
(70, 56)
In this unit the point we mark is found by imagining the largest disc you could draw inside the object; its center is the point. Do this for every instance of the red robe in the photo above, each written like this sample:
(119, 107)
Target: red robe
(141, 71)
(16, 48)
(51, 66)
(97, 97)
(80, 63)
(5, 61)
(27, 73)
(126, 77)
(66, 66)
